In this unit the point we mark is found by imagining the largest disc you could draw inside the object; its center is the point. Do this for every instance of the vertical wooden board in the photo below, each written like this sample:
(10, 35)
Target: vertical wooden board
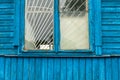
(22, 24)
(38, 70)
(50, 69)
(101, 69)
(108, 69)
(63, 69)
(20, 69)
(56, 24)
(88, 69)
(31, 69)
(114, 68)
(17, 23)
(7, 68)
(91, 23)
(119, 68)
(95, 69)
(2, 63)
(69, 69)
(13, 68)
(82, 66)
(44, 68)
(75, 68)
(26, 69)
(57, 66)
(98, 31)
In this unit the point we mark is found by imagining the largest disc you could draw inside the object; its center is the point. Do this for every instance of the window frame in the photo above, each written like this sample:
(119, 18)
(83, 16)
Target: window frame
(91, 26)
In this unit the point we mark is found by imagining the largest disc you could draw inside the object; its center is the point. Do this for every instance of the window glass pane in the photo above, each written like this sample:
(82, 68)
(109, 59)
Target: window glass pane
(39, 24)
(74, 24)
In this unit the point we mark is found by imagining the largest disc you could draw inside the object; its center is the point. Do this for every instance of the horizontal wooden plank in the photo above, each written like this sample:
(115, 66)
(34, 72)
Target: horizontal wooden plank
(7, 1)
(111, 4)
(111, 15)
(7, 23)
(6, 46)
(110, 27)
(111, 39)
(111, 33)
(6, 40)
(7, 11)
(7, 17)
(7, 28)
(111, 45)
(6, 34)
(7, 5)
(110, 9)
(111, 22)
(110, 51)
(110, 0)
(8, 51)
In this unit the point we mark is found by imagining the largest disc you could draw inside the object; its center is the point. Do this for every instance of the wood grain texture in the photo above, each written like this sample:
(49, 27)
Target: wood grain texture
(58, 69)
(110, 26)
(7, 27)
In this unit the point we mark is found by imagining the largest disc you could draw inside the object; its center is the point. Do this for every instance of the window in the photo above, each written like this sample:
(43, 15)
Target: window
(61, 24)
(73, 24)
(39, 24)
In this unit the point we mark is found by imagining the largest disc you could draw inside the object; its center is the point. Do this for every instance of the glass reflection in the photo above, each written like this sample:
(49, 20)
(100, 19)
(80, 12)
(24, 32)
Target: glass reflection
(74, 24)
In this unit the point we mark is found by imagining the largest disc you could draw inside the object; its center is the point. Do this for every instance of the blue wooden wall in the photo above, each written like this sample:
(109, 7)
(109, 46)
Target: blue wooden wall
(7, 26)
(111, 26)
(23, 68)
(59, 68)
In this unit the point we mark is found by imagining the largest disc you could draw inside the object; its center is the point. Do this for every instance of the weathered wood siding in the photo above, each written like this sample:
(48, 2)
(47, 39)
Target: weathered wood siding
(59, 68)
(111, 26)
(7, 26)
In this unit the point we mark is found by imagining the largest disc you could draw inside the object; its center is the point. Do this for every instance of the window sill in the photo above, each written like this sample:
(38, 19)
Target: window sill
(59, 55)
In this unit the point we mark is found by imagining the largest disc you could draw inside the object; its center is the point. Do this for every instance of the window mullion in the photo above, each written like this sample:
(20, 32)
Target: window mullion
(56, 25)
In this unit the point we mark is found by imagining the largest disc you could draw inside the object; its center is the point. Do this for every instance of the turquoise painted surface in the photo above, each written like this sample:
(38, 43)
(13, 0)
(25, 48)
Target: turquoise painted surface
(9, 27)
(59, 68)
(110, 26)
(31, 68)
(108, 33)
